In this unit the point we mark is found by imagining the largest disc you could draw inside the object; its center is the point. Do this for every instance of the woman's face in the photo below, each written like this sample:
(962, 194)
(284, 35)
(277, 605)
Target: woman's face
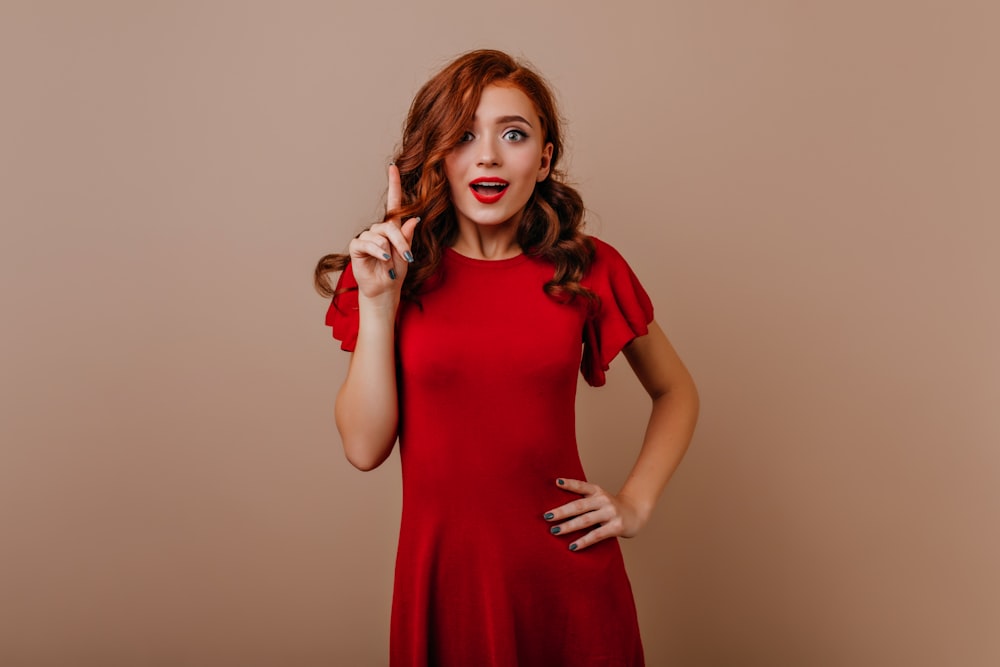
(493, 171)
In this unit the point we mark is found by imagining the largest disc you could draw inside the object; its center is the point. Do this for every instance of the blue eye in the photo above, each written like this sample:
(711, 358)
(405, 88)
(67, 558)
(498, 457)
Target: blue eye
(514, 135)
(467, 137)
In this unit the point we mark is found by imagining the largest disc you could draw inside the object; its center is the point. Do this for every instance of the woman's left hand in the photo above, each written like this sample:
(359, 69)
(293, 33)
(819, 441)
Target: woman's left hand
(609, 515)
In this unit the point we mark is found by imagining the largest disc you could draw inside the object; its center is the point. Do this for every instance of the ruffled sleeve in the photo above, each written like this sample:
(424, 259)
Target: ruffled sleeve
(343, 315)
(625, 312)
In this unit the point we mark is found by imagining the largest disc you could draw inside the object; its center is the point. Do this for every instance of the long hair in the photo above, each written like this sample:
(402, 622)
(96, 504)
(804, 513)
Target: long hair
(551, 227)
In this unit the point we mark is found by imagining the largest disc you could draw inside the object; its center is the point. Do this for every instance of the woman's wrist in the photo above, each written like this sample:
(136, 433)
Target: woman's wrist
(381, 306)
(643, 509)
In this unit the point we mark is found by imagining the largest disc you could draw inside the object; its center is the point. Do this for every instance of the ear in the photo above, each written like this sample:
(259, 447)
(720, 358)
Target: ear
(546, 163)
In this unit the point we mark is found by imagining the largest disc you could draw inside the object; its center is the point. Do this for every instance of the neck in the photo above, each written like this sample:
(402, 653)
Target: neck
(487, 242)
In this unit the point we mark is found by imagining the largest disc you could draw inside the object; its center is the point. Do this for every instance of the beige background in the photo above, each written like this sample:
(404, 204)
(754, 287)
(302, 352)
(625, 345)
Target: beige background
(808, 190)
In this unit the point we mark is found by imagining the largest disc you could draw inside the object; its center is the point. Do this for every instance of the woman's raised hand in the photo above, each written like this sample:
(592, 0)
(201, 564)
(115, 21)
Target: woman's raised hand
(600, 513)
(380, 255)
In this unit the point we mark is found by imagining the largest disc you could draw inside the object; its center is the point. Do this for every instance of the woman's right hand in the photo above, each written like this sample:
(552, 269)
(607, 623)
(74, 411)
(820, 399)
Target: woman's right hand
(381, 255)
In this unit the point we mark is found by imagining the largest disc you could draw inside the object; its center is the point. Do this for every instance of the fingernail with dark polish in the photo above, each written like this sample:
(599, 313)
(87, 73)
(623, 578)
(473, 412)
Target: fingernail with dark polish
(549, 516)
(386, 255)
(572, 547)
(561, 482)
(408, 256)
(392, 273)
(555, 530)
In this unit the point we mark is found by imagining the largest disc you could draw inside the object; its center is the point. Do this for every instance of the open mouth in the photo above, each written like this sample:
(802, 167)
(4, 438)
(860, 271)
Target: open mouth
(488, 190)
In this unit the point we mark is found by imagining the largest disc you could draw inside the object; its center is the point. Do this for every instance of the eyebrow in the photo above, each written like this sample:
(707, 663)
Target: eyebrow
(513, 119)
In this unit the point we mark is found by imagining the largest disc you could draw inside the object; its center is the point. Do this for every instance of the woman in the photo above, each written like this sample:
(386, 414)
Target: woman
(468, 325)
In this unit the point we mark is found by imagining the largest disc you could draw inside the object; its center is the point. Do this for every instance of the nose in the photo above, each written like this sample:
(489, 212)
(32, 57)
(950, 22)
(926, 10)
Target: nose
(488, 153)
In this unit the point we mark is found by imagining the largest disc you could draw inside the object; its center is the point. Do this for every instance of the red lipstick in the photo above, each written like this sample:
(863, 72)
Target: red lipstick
(488, 190)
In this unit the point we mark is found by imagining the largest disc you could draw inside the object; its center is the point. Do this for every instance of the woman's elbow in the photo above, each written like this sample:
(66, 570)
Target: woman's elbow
(364, 456)
(363, 464)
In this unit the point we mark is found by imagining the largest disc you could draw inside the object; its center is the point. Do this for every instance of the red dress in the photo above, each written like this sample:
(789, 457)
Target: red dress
(487, 370)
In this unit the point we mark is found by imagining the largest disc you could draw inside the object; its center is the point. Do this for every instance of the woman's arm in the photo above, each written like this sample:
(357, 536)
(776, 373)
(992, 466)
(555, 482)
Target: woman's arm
(366, 410)
(671, 425)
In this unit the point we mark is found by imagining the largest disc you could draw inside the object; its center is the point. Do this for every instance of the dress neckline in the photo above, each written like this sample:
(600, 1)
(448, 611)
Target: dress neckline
(456, 256)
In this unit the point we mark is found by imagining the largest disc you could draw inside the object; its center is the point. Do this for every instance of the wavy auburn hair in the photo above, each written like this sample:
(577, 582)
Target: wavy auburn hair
(551, 227)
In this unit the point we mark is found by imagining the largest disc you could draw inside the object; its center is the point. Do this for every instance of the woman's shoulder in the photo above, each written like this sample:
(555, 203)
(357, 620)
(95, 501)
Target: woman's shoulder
(624, 311)
(606, 258)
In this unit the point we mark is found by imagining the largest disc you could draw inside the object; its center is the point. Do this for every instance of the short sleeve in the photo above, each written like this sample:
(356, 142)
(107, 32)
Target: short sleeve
(343, 315)
(624, 313)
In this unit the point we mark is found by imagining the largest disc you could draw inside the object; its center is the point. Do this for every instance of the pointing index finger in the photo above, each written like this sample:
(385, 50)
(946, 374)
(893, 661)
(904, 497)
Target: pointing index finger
(393, 199)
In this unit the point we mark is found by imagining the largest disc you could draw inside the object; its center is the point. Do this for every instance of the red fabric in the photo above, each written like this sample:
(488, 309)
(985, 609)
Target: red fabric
(487, 386)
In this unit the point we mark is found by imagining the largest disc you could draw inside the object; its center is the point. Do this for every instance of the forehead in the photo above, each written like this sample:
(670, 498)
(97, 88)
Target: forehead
(500, 101)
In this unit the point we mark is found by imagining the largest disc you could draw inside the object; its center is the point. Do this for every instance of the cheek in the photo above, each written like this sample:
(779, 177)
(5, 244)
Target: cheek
(450, 173)
(528, 165)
